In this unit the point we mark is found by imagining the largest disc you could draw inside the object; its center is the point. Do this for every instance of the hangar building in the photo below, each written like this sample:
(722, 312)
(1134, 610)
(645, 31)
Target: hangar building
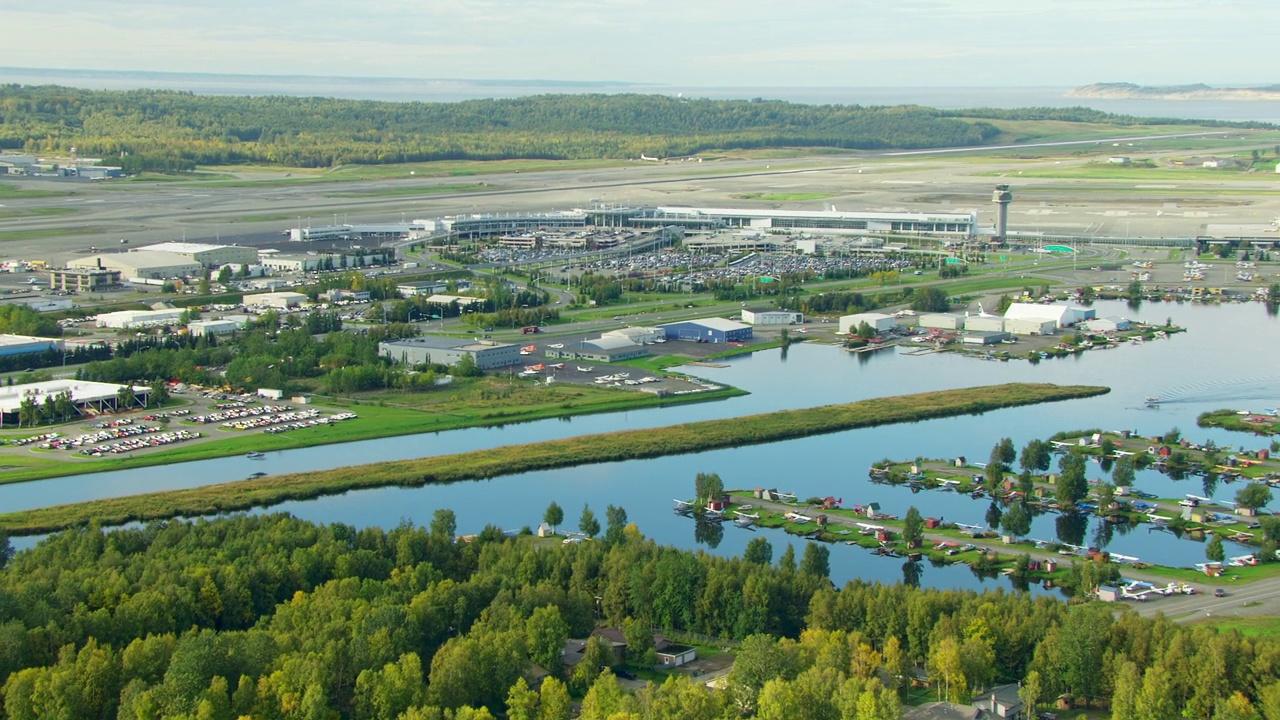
(769, 316)
(143, 264)
(713, 330)
(209, 256)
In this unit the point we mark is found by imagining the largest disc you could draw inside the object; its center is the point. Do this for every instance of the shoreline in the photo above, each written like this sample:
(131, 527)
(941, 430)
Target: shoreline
(514, 459)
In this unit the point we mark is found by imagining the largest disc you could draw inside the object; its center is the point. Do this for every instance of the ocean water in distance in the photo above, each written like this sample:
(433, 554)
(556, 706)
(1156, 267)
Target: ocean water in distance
(453, 90)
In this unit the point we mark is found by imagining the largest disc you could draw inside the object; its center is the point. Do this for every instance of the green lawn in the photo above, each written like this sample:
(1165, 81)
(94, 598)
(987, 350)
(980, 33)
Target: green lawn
(38, 212)
(51, 232)
(1264, 626)
(784, 197)
(13, 192)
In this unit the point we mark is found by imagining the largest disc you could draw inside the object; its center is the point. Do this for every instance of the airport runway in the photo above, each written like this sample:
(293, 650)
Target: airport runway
(105, 212)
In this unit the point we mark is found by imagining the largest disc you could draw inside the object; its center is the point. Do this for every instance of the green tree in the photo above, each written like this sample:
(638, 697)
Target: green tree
(946, 669)
(553, 516)
(929, 299)
(616, 522)
(816, 560)
(125, 397)
(1072, 485)
(1123, 697)
(522, 703)
(554, 702)
(1035, 456)
(545, 635)
(913, 527)
(758, 552)
(640, 647)
(587, 523)
(1017, 521)
(708, 486)
(224, 275)
(1123, 475)
(444, 524)
(994, 472)
(1253, 496)
(1214, 550)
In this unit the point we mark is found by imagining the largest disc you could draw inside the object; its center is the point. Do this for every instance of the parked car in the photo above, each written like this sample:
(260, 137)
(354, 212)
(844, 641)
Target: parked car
(1219, 592)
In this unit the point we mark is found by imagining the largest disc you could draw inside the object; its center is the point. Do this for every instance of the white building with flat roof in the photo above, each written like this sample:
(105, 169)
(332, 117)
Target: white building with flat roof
(138, 318)
(141, 264)
(207, 255)
(878, 322)
(277, 300)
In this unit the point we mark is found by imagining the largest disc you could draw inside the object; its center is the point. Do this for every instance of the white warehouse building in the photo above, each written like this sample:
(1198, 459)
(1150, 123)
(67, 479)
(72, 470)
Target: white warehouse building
(769, 316)
(142, 264)
(138, 318)
(209, 256)
(878, 322)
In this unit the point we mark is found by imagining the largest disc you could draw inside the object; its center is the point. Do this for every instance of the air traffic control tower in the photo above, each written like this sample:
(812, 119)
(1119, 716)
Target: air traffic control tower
(1002, 197)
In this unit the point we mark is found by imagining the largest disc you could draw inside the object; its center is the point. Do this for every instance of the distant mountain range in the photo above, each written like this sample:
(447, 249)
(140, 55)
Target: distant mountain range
(1198, 91)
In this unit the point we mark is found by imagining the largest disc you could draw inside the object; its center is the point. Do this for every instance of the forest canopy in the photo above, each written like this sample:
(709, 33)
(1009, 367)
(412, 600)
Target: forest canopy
(169, 130)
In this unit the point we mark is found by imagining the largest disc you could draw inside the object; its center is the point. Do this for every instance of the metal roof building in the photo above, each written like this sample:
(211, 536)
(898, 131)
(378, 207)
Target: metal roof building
(450, 351)
(713, 330)
(143, 264)
(207, 255)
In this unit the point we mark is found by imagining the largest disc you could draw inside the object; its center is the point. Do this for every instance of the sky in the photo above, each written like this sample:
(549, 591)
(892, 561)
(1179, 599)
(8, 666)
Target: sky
(696, 43)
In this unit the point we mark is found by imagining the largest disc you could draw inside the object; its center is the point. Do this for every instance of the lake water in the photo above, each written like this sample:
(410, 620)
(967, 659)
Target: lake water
(452, 90)
(1212, 366)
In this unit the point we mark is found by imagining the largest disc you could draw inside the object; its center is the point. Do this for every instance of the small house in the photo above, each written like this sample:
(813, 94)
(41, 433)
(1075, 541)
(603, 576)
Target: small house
(932, 523)
(1001, 701)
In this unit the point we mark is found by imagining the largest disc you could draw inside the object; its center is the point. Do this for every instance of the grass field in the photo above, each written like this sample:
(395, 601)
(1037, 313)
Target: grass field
(380, 415)
(13, 192)
(417, 190)
(1259, 626)
(784, 197)
(37, 212)
(514, 459)
(51, 232)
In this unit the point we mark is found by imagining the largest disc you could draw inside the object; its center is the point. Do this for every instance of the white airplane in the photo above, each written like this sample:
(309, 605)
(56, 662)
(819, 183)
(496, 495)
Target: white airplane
(557, 346)
(749, 516)
(585, 369)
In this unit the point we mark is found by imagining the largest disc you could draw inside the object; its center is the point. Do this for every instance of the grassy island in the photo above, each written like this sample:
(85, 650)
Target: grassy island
(512, 459)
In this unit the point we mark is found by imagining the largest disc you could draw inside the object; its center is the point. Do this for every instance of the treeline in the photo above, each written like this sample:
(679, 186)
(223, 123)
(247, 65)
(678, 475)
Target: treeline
(1090, 115)
(166, 130)
(273, 617)
(289, 354)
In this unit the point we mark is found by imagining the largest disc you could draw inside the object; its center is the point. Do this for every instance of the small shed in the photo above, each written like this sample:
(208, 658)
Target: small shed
(932, 523)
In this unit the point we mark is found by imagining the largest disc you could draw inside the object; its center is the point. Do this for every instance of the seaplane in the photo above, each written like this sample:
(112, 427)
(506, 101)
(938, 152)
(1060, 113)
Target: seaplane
(255, 455)
(1151, 400)
(557, 346)
(747, 516)
(744, 523)
(1123, 558)
(796, 517)
(785, 497)
(586, 369)
(556, 366)
(528, 349)
(868, 528)
(714, 516)
(1137, 591)
(682, 507)
(972, 529)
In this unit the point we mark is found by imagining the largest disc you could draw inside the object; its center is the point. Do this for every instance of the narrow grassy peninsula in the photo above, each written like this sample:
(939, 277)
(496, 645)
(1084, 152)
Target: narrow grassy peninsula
(512, 459)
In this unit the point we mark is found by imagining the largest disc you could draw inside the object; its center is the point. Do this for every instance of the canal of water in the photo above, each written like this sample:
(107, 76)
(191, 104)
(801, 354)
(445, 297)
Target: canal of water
(1219, 363)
